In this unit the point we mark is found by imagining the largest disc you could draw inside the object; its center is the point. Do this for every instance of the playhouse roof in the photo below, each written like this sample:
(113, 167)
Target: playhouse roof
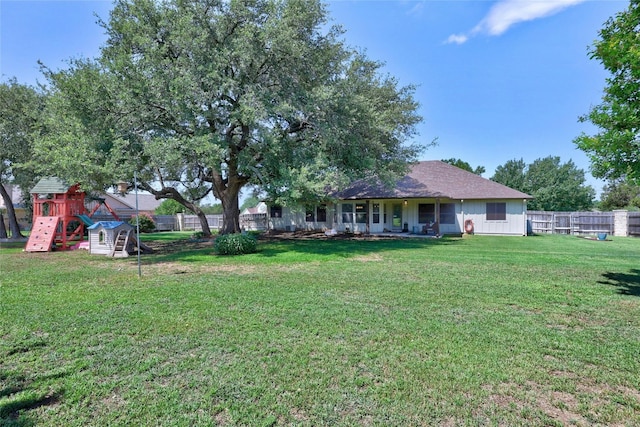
(51, 185)
(107, 225)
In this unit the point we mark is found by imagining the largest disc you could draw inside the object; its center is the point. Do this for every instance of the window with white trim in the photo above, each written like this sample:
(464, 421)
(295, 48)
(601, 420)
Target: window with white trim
(496, 211)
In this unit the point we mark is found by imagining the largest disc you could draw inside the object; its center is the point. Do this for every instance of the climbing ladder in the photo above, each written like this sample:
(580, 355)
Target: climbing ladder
(43, 234)
(121, 244)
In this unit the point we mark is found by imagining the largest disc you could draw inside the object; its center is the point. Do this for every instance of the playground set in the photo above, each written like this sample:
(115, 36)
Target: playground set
(60, 218)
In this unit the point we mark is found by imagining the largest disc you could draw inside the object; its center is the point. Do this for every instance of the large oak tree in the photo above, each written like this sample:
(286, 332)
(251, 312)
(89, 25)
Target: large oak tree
(615, 150)
(200, 95)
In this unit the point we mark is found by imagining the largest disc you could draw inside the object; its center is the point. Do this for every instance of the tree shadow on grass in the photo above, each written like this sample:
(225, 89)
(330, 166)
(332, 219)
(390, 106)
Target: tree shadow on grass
(19, 393)
(348, 247)
(329, 247)
(627, 283)
(13, 412)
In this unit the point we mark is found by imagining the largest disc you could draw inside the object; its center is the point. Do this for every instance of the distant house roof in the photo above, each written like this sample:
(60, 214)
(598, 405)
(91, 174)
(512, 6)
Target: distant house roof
(50, 185)
(434, 179)
(146, 202)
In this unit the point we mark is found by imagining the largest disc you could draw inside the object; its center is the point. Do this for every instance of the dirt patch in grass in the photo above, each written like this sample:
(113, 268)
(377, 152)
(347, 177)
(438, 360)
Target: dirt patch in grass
(163, 248)
(368, 258)
(582, 408)
(182, 268)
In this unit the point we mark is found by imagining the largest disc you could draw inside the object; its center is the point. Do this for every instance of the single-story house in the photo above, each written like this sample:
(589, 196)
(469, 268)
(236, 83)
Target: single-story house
(260, 208)
(433, 198)
(125, 205)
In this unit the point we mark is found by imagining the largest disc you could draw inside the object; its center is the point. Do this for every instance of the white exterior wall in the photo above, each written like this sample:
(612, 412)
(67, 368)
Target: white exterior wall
(475, 210)
(514, 224)
(106, 246)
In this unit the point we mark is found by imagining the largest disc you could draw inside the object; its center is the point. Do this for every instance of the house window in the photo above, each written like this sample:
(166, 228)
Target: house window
(275, 211)
(496, 211)
(310, 215)
(322, 213)
(447, 213)
(426, 213)
(347, 213)
(376, 213)
(361, 213)
(101, 240)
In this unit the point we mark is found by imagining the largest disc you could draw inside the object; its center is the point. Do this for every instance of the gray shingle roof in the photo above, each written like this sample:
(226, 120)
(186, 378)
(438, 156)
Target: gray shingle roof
(51, 185)
(434, 179)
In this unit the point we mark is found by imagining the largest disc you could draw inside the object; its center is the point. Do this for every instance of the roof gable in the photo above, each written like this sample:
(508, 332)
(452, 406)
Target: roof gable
(434, 179)
(51, 185)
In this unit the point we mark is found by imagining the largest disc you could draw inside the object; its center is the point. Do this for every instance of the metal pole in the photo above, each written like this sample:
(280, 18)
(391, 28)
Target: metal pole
(135, 183)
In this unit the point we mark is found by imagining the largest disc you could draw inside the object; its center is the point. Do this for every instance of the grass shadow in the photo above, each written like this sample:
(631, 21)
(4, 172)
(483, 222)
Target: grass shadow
(343, 248)
(20, 393)
(347, 247)
(627, 283)
(12, 412)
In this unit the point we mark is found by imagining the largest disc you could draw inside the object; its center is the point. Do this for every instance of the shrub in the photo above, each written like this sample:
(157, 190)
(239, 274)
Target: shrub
(146, 223)
(235, 244)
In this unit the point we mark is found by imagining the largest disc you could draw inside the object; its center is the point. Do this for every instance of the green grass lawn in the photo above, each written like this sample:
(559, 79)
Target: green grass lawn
(505, 331)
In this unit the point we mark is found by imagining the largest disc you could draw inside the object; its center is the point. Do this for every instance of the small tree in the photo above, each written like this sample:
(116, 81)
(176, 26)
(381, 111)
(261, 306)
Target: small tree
(620, 194)
(615, 150)
(170, 207)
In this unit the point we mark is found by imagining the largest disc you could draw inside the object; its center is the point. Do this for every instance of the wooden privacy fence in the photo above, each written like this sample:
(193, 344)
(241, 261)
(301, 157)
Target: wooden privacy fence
(247, 222)
(633, 223)
(192, 222)
(619, 223)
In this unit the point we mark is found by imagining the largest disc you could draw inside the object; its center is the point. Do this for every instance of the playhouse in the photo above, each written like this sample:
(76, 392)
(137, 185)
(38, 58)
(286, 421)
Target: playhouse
(56, 207)
(111, 238)
(59, 215)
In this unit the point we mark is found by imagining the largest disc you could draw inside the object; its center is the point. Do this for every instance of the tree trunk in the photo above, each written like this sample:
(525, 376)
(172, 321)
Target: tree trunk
(172, 193)
(3, 229)
(14, 227)
(230, 211)
(204, 224)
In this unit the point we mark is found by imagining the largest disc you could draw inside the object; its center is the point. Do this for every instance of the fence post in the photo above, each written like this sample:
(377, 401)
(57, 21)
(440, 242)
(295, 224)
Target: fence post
(620, 223)
(180, 221)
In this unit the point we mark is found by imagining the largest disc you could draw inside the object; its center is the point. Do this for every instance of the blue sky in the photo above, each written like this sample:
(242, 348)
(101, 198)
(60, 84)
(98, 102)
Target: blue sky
(496, 80)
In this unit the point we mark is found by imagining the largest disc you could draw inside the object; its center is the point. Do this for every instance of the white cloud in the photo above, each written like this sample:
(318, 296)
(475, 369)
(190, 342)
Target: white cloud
(506, 13)
(457, 38)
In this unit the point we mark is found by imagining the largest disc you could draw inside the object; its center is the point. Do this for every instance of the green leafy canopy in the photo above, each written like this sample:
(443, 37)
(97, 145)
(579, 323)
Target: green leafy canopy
(211, 96)
(615, 150)
(555, 186)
